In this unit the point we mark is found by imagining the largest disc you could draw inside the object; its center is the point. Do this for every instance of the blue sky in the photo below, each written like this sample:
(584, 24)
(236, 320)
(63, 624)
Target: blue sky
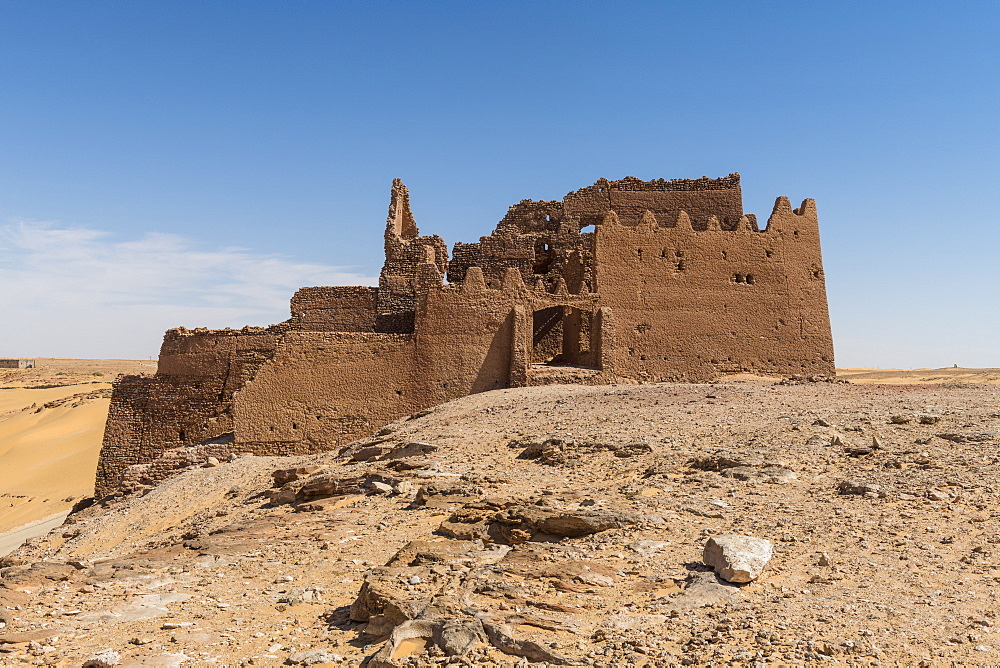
(192, 163)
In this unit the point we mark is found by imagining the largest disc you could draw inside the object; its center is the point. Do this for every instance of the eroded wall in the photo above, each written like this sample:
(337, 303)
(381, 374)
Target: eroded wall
(188, 401)
(623, 280)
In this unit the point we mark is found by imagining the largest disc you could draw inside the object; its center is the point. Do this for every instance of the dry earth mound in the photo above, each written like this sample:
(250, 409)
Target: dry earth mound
(563, 525)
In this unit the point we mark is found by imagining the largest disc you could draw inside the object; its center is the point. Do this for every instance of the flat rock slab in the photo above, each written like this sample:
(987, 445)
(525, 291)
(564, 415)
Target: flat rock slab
(631, 622)
(161, 661)
(22, 637)
(703, 589)
(142, 606)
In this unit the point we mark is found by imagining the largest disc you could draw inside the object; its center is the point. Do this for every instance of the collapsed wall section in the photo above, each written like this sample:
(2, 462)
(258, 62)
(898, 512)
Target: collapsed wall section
(405, 250)
(551, 240)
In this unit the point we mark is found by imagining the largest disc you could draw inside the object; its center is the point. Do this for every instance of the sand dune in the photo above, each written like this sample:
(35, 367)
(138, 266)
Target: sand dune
(48, 459)
(50, 437)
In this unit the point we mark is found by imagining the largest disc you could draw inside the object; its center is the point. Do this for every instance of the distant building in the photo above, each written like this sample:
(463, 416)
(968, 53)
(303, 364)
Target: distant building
(16, 363)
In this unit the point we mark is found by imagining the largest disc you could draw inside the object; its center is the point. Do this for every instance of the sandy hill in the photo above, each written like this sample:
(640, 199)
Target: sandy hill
(51, 426)
(561, 525)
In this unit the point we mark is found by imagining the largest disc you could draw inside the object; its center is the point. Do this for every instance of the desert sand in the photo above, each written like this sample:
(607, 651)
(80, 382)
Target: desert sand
(51, 426)
(560, 524)
(921, 376)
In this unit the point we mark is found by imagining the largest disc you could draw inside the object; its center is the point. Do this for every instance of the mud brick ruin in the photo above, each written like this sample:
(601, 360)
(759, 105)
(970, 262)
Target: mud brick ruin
(621, 281)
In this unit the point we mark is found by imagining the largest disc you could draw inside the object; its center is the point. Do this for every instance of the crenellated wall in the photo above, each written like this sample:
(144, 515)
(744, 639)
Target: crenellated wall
(630, 197)
(672, 282)
(691, 305)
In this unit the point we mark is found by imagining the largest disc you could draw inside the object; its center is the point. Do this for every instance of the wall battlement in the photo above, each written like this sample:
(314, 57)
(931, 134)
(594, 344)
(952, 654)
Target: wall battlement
(627, 280)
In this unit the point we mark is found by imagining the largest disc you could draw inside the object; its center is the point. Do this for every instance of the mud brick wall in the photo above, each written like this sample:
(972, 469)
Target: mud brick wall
(335, 309)
(691, 305)
(630, 197)
(188, 401)
(625, 280)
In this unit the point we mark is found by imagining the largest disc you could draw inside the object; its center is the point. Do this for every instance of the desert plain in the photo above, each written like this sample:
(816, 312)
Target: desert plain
(557, 525)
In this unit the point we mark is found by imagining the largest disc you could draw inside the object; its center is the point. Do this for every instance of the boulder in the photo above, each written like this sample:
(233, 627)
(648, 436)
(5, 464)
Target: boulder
(311, 594)
(369, 453)
(105, 659)
(453, 492)
(737, 558)
(330, 485)
(285, 476)
(456, 637)
(414, 449)
(583, 522)
(383, 593)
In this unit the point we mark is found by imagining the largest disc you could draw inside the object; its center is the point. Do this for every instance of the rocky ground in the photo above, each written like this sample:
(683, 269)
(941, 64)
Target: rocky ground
(558, 525)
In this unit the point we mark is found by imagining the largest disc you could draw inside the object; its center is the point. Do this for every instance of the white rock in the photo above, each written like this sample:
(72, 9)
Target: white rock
(404, 488)
(381, 487)
(105, 659)
(737, 558)
(312, 656)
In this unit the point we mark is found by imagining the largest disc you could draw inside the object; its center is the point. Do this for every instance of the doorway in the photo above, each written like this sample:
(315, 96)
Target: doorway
(561, 337)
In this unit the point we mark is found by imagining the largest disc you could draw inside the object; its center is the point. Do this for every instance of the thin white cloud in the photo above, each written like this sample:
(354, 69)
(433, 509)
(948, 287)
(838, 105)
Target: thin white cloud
(78, 292)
